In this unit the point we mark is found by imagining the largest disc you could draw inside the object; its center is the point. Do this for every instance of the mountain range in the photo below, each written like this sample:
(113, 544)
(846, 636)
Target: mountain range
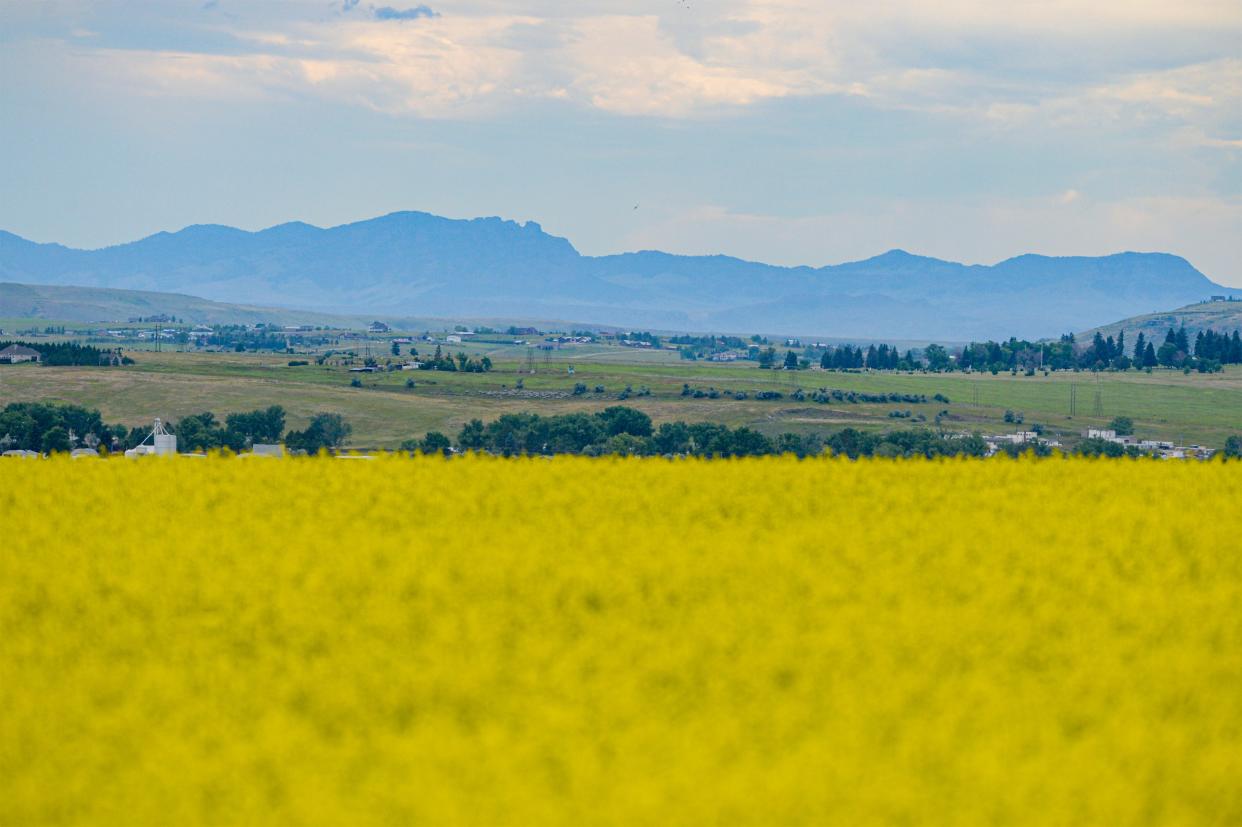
(415, 263)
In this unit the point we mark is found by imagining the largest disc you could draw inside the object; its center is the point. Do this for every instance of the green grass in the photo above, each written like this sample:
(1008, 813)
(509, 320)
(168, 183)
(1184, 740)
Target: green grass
(1196, 408)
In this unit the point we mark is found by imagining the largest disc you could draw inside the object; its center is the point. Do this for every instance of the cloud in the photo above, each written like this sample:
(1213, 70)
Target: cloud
(1001, 64)
(415, 13)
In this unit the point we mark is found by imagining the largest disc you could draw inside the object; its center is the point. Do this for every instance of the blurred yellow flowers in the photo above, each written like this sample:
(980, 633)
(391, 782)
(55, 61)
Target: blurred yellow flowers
(574, 641)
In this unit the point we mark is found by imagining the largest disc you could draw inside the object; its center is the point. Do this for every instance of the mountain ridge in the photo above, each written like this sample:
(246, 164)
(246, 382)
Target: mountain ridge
(412, 262)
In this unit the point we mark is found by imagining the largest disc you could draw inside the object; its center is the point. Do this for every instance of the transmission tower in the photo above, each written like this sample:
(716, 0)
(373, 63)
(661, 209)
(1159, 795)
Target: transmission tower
(530, 360)
(1099, 399)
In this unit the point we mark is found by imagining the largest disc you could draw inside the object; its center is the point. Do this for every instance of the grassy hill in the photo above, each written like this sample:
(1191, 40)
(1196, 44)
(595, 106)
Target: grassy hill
(22, 304)
(102, 304)
(1202, 316)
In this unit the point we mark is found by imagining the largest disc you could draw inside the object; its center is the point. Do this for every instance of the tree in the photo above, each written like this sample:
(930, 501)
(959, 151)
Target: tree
(471, 437)
(1182, 340)
(1233, 447)
(1123, 425)
(56, 440)
(201, 432)
(619, 419)
(396, 349)
(937, 357)
(1168, 355)
(791, 360)
(767, 357)
(257, 426)
(326, 430)
(434, 442)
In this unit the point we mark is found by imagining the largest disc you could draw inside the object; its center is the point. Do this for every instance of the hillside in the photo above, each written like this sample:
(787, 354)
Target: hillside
(1201, 316)
(416, 263)
(102, 304)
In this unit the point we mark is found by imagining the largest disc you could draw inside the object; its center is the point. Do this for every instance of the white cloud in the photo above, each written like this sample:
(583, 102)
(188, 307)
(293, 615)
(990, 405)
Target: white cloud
(993, 60)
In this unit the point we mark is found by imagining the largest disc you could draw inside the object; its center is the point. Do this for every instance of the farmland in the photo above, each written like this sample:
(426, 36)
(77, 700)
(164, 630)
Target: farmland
(481, 641)
(1164, 404)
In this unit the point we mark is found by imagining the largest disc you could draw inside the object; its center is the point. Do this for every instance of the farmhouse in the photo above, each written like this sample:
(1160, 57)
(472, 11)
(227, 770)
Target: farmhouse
(18, 353)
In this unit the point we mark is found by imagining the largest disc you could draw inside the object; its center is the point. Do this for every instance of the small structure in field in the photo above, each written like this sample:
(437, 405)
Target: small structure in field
(162, 443)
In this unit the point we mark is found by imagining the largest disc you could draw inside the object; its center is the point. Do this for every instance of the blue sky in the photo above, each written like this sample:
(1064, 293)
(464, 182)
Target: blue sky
(779, 130)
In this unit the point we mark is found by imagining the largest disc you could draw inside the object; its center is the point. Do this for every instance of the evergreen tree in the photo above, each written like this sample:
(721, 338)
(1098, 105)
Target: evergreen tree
(1182, 340)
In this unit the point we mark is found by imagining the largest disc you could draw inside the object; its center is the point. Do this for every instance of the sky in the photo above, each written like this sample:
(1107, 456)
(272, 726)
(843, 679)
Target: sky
(786, 131)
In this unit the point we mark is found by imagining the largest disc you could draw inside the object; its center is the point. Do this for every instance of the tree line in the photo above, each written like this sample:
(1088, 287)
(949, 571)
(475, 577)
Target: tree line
(241, 431)
(616, 430)
(71, 354)
(1207, 353)
(48, 428)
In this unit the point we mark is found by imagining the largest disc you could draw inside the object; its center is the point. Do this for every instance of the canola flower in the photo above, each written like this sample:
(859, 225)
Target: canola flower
(620, 641)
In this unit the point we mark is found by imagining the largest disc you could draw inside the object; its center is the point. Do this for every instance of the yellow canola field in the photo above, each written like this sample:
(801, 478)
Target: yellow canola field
(482, 641)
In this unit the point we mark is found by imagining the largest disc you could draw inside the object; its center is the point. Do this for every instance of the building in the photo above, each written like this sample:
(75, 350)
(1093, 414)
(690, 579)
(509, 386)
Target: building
(1218, 299)
(161, 443)
(13, 354)
(378, 327)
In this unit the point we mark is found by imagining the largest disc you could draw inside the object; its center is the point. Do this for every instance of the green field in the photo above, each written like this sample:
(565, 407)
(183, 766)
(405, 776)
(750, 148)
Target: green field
(1202, 409)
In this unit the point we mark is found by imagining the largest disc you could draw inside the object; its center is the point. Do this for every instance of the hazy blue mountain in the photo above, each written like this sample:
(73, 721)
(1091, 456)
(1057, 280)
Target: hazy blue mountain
(416, 263)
